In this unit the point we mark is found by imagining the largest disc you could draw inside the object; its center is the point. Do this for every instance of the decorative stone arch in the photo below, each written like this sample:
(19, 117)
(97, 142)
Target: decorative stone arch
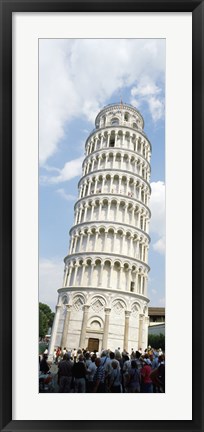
(126, 116)
(118, 306)
(135, 308)
(115, 121)
(117, 263)
(95, 319)
(63, 299)
(78, 301)
(97, 302)
(120, 231)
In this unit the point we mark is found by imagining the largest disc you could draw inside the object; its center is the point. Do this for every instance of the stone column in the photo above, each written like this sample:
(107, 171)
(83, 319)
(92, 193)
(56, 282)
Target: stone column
(101, 274)
(54, 330)
(114, 157)
(111, 273)
(96, 184)
(87, 242)
(106, 328)
(89, 187)
(136, 282)
(119, 184)
(81, 241)
(96, 240)
(83, 327)
(123, 139)
(92, 210)
(65, 275)
(140, 338)
(80, 214)
(108, 211)
(102, 137)
(105, 240)
(75, 243)
(120, 274)
(92, 270)
(136, 144)
(103, 183)
(80, 192)
(75, 274)
(82, 274)
(126, 330)
(145, 285)
(108, 143)
(69, 275)
(85, 212)
(71, 244)
(111, 184)
(127, 186)
(99, 214)
(66, 325)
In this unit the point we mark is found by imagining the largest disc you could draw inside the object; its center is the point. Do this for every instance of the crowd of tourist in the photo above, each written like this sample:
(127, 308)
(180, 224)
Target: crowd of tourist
(82, 371)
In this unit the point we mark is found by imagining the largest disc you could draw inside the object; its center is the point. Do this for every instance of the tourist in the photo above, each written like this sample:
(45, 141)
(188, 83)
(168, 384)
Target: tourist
(91, 369)
(44, 367)
(133, 379)
(115, 378)
(99, 377)
(79, 374)
(146, 382)
(65, 373)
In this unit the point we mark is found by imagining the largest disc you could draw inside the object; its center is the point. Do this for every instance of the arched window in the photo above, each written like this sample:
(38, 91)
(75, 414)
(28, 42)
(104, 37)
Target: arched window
(134, 125)
(126, 116)
(115, 121)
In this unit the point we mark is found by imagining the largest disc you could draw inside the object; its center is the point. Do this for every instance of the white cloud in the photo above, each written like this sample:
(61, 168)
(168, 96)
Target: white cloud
(78, 76)
(50, 280)
(64, 195)
(147, 91)
(160, 246)
(70, 170)
(154, 291)
(157, 223)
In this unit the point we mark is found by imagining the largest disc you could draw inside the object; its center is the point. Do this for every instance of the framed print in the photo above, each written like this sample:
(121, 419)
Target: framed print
(85, 88)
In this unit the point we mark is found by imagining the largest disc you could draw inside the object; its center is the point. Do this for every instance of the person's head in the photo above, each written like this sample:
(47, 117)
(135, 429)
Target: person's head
(87, 355)
(137, 354)
(81, 357)
(125, 357)
(114, 364)
(97, 361)
(161, 358)
(45, 357)
(66, 357)
(133, 364)
(104, 353)
(93, 358)
(112, 355)
(117, 355)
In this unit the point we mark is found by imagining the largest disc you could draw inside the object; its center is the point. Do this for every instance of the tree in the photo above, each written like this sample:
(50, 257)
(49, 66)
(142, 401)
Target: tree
(46, 318)
(157, 341)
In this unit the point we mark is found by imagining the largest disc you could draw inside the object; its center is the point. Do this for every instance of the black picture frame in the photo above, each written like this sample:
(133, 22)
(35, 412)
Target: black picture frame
(7, 8)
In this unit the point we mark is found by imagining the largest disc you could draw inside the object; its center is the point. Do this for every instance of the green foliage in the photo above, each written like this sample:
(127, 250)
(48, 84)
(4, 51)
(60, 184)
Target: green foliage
(46, 317)
(157, 341)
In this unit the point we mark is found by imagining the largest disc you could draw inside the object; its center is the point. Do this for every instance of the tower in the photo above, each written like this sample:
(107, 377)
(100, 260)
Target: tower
(103, 301)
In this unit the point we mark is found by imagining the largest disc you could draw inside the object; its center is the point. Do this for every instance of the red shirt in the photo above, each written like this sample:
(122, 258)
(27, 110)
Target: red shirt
(145, 372)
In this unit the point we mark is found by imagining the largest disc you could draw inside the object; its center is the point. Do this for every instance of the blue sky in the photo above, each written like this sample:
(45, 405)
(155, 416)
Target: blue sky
(77, 78)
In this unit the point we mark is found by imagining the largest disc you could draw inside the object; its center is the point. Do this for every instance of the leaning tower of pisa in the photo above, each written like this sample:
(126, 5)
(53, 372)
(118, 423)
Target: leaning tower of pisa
(103, 301)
